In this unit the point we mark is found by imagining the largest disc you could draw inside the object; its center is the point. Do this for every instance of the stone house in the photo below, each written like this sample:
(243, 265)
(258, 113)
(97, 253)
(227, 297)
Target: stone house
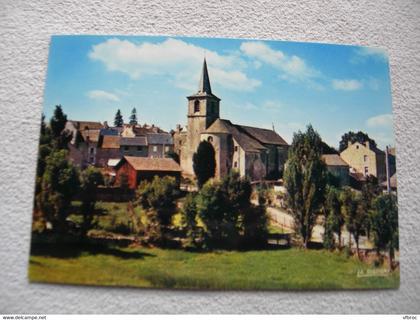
(338, 168)
(365, 159)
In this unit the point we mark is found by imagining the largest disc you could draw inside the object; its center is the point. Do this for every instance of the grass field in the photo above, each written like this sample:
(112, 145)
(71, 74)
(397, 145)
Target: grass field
(142, 267)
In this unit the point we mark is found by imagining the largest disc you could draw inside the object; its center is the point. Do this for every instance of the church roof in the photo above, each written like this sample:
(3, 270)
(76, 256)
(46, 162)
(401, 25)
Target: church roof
(265, 136)
(204, 85)
(246, 142)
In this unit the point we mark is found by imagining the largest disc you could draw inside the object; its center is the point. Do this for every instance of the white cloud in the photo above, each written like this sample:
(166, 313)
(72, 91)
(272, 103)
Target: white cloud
(102, 95)
(382, 120)
(346, 84)
(177, 60)
(291, 67)
(362, 53)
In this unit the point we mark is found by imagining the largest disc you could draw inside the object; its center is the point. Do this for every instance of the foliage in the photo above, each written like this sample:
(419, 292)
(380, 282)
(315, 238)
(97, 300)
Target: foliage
(354, 214)
(157, 198)
(305, 181)
(118, 120)
(133, 117)
(90, 179)
(58, 121)
(334, 220)
(173, 155)
(327, 149)
(229, 219)
(204, 162)
(59, 183)
(384, 220)
(353, 137)
(370, 190)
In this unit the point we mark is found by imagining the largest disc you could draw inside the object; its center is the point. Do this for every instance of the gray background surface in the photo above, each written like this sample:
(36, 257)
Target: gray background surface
(26, 27)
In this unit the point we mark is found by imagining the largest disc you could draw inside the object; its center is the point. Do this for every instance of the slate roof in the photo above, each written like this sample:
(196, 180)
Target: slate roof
(160, 138)
(265, 136)
(135, 141)
(249, 138)
(334, 160)
(153, 164)
(110, 142)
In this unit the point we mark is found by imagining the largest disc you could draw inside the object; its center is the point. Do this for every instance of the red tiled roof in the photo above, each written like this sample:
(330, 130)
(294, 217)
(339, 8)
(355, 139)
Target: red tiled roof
(153, 164)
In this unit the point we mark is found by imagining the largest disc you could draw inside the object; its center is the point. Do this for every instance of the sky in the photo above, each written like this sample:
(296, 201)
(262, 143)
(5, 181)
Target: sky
(287, 85)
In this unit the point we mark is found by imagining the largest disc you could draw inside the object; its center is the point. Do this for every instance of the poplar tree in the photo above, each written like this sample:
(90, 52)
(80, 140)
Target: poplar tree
(305, 181)
(118, 120)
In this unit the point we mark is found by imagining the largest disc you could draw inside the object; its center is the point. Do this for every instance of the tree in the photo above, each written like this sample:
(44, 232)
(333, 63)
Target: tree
(353, 137)
(305, 181)
(59, 184)
(370, 190)
(334, 219)
(204, 162)
(133, 117)
(354, 214)
(118, 120)
(173, 155)
(384, 222)
(59, 137)
(90, 179)
(157, 198)
(229, 219)
(58, 122)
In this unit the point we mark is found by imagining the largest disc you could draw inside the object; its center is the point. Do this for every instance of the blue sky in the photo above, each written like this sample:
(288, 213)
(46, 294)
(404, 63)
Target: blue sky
(261, 83)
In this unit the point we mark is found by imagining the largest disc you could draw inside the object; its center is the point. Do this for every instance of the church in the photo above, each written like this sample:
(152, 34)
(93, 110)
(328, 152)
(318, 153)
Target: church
(255, 153)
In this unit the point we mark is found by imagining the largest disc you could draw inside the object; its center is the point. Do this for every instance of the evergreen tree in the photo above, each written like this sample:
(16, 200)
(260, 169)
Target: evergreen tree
(384, 222)
(305, 181)
(133, 117)
(204, 162)
(118, 120)
(58, 122)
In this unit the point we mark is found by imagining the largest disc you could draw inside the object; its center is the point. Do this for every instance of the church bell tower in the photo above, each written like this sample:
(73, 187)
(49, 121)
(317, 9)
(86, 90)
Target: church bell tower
(203, 110)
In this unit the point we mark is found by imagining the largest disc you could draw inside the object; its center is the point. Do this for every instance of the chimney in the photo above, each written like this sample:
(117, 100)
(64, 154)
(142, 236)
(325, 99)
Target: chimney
(178, 127)
(367, 144)
(106, 125)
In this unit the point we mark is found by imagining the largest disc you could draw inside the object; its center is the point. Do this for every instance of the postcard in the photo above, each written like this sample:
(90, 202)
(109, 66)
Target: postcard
(205, 163)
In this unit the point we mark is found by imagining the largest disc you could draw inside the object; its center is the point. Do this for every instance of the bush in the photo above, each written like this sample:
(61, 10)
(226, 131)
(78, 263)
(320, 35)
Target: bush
(157, 198)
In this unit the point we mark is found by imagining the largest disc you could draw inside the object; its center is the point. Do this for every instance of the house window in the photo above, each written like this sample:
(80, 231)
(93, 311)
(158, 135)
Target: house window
(126, 148)
(154, 148)
(138, 148)
(357, 147)
(196, 106)
(91, 150)
(91, 159)
(236, 148)
(366, 171)
(210, 139)
(365, 158)
(166, 149)
(235, 164)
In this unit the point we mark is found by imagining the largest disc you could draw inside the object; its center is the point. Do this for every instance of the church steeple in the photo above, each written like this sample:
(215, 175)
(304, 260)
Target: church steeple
(204, 85)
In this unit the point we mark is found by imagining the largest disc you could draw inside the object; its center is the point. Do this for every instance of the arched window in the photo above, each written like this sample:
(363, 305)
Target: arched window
(210, 139)
(196, 106)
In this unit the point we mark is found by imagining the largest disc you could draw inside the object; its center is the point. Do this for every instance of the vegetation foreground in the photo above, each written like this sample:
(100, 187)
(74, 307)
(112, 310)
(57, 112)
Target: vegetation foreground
(164, 268)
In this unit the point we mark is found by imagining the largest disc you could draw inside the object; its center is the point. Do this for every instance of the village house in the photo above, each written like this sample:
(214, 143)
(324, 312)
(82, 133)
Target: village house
(365, 159)
(130, 171)
(94, 144)
(338, 168)
(254, 152)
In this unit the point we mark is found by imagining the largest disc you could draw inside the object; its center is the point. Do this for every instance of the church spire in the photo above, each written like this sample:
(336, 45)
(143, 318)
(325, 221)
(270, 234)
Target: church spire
(204, 85)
